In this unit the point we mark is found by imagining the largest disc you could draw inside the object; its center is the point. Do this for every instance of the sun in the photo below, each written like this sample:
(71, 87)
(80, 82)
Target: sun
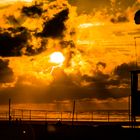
(57, 58)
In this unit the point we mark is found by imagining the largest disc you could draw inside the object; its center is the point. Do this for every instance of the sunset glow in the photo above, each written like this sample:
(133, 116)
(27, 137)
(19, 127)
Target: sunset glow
(56, 51)
(12, 1)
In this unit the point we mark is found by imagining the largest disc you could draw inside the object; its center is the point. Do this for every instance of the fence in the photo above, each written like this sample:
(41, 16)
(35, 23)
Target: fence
(45, 115)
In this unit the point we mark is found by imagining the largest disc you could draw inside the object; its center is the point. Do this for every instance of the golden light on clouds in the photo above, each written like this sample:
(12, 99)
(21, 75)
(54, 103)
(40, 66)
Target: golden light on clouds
(57, 57)
(28, 0)
(52, 46)
(88, 25)
(12, 1)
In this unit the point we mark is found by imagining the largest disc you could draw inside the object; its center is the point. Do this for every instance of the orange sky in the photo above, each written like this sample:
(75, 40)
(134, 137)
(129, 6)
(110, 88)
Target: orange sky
(12, 1)
(98, 45)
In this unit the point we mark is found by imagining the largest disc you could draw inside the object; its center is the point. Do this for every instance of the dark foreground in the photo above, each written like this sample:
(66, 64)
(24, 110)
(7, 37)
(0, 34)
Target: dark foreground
(58, 131)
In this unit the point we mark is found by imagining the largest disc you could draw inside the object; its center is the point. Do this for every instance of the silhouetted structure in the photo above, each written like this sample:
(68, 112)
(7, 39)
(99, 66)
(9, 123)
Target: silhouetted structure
(73, 112)
(135, 96)
(9, 110)
(137, 17)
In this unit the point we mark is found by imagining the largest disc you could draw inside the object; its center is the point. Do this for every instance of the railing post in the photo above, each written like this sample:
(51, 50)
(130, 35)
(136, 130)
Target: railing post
(69, 116)
(76, 116)
(30, 115)
(22, 114)
(46, 116)
(61, 115)
(92, 115)
(73, 112)
(9, 110)
(108, 116)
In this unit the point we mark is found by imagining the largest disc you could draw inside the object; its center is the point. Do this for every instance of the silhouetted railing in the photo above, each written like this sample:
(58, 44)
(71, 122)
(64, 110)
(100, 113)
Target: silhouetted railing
(45, 115)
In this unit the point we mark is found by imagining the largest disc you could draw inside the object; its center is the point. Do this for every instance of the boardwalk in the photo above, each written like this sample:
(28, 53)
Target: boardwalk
(41, 130)
(43, 124)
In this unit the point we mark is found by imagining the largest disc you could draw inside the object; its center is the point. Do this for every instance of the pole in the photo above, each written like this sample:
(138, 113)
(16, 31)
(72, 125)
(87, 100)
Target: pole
(9, 109)
(92, 116)
(61, 116)
(30, 114)
(46, 116)
(129, 109)
(108, 116)
(73, 112)
(136, 51)
(129, 104)
(22, 114)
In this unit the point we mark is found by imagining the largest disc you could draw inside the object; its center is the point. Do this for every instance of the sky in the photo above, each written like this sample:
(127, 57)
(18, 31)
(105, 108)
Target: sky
(12, 1)
(98, 39)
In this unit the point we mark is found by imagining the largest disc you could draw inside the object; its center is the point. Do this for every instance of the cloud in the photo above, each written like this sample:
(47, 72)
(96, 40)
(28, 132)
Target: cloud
(26, 31)
(119, 19)
(63, 87)
(88, 71)
(6, 73)
(12, 20)
(40, 46)
(55, 26)
(65, 44)
(33, 11)
(88, 6)
(98, 83)
(101, 64)
(115, 85)
(123, 70)
(12, 40)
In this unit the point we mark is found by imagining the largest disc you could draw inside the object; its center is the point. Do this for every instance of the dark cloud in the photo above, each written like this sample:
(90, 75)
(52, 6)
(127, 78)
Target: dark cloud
(101, 80)
(120, 18)
(99, 84)
(65, 44)
(98, 76)
(34, 50)
(123, 70)
(12, 40)
(6, 73)
(137, 17)
(55, 26)
(101, 64)
(12, 20)
(17, 40)
(61, 89)
(111, 86)
(32, 11)
(64, 88)
(70, 52)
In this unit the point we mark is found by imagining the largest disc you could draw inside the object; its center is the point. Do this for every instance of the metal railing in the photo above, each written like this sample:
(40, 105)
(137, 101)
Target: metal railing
(45, 115)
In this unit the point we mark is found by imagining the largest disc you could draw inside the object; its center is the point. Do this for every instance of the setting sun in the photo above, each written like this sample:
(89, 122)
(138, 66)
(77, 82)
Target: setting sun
(57, 57)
